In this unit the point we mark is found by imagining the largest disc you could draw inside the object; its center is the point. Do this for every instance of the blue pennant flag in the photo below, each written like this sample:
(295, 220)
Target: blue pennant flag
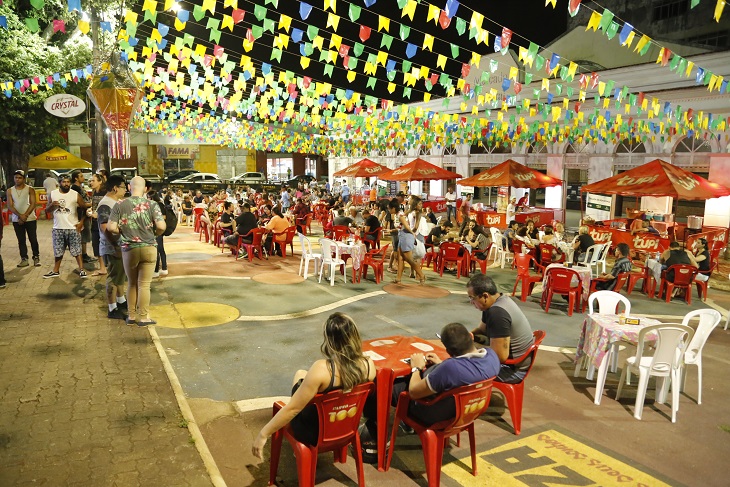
(296, 35)
(451, 7)
(304, 10)
(183, 15)
(370, 3)
(411, 50)
(625, 32)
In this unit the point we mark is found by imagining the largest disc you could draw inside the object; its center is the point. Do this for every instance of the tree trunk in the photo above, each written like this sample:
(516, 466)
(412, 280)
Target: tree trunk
(14, 156)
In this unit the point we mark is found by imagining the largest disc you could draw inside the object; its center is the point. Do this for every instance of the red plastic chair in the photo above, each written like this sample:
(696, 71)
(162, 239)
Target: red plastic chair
(684, 276)
(339, 417)
(431, 256)
(197, 213)
(546, 254)
(470, 401)
(256, 245)
(514, 393)
(523, 262)
(289, 234)
(636, 276)
(305, 223)
(376, 260)
(474, 260)
(620, 281)
(375, 243)
(702, 285)
(341, 232)
(204, 230)
(559, 282)
(449, 253)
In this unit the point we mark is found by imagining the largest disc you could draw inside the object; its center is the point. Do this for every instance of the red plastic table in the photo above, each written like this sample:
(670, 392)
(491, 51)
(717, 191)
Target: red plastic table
(388, 354)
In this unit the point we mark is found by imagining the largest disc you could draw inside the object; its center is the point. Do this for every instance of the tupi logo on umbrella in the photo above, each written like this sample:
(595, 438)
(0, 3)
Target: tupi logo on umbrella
(629, 181)
(487, 176)
(426, 172)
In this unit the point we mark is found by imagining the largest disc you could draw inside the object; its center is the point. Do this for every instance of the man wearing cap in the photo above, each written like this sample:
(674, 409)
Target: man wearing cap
(64, 203)
(21, 203)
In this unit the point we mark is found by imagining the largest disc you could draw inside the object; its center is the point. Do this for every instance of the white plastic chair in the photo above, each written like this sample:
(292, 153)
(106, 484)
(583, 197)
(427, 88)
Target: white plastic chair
(496, 236)
(591, 257)
(308, 255)
(504, 254)
(709, 319)
(331, 258)
(602, 258)
(664, 364)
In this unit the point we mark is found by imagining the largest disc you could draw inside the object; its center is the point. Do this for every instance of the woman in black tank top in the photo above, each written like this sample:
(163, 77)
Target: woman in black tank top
(343, 367)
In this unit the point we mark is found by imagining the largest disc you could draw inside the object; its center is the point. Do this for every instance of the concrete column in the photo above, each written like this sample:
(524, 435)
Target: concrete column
(298, 165)
(717, 210)
(261, 162)
(554, 197)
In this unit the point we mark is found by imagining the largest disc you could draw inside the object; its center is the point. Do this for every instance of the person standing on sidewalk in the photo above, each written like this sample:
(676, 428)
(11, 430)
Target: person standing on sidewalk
(110, 250)
(99, 187)
(66, 233)
(138, 221)
(77, 181)
(450, 203)
(21, 203)
(50, 183)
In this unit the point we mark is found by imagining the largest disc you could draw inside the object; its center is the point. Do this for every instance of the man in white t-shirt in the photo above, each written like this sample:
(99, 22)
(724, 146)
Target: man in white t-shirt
(50, 183)
(511, 209)
(64, 203)
(450, 203)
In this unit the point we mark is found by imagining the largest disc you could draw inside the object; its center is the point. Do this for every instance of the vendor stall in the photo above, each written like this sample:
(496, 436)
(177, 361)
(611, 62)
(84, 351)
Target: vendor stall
(655, 178)
(512, 173)
(420, 170)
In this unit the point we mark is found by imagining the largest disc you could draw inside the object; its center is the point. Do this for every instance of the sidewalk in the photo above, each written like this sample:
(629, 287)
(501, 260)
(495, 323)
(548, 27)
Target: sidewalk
(83, 400)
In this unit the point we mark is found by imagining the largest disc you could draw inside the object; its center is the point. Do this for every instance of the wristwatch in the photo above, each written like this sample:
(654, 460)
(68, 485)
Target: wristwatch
(415, 369)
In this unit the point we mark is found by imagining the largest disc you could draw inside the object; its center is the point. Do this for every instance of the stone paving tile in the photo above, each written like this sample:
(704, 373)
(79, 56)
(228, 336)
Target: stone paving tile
(83, 400)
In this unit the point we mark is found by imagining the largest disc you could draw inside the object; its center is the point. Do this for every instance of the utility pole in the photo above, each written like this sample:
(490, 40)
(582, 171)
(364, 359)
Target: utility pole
(96, 123)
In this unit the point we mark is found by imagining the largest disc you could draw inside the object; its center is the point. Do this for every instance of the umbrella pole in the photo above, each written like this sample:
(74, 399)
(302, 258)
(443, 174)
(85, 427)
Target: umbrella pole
(581, 208)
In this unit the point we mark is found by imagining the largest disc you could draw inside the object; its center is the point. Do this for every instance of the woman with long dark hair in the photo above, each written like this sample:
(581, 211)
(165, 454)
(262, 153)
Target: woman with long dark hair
(408, 232)
(344, 366)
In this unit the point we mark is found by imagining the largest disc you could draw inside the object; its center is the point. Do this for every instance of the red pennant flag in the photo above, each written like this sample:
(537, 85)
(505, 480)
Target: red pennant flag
(506, 37)
(346, 62)
(238, 15)
(640, 98)
(665, 56)
(434, 78)
(59, 25)
(217, 51)
(583, 81)
(518, 88)
(444, 20)
(364, 33)
(207, 60)
(577, 107)
(594, 79)
(249, 35)
(344, 50)
(465, 68)
(306, 81)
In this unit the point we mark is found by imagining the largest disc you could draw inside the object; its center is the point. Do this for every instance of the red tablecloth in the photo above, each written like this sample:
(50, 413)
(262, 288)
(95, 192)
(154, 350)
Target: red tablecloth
(388, 354)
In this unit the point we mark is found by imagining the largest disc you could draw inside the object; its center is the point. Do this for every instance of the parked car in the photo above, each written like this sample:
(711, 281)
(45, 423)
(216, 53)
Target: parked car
(302, 178)
(198, 177)
(248, 178)
(180, 175)
(129, 172)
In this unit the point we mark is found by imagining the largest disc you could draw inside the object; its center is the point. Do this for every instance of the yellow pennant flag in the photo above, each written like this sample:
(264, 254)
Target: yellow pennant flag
(594, 21)
(168, 4)
(382, 58)
(475, 59)
(645, 104)
(476, 20)
(556, 113)
(601, 87)
(318, 42)
(606, 101)
(155, 35)
(333, 56)
(713, 80)
(460, 83)
(474, 110)
(719, 7)
(427, 97)
(433, 13)
(581, 96)
(247, 45)
(441, 61)
(545, 84)
(84, 27)
(351, 76)
(149, 5)
(661, 55)
(209, 5)
(572, 67)
(483, 37)
(629, 40)
(718, 83)
(566, 103)
(424, 72)
(463, 106)
(690, 66)
(230, 3)
(227, 22)
(383, 24)
(284, 22)
(551, 2)
(428, 42)
(130, 16)
(391, 87)
(642, 42)
(513, 72)
(179, 25)
(627, 108)
(409, 9)
(335, 41)
(330, 4)
(333, 21)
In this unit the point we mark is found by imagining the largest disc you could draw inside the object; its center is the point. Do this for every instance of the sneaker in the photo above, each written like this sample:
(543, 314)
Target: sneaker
(406, 429)
(2, 285)
(155, 274)
(23, 263)
(36, 261)
(116, 314)
(50, 275)
(145, 323)
(82, 274)
(122, 306)
(163, 272)
(88, 259)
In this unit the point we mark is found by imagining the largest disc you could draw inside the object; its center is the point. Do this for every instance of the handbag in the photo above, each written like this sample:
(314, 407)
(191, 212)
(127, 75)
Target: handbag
(419, 251)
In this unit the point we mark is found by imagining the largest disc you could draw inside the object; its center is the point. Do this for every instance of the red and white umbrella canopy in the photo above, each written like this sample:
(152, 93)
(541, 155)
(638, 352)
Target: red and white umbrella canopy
(511, 173)
(418, 170)
(362, 169)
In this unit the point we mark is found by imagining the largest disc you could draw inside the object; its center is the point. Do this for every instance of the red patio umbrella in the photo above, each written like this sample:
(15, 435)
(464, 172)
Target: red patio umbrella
(511, 173)
(659, 178)
(418, 170)
(362, 169)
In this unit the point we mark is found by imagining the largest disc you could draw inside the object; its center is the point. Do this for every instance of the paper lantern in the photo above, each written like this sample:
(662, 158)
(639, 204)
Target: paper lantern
(116, 94)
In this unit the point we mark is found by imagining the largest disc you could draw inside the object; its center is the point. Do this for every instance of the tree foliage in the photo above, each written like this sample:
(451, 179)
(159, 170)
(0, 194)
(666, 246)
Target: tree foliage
(26, 128)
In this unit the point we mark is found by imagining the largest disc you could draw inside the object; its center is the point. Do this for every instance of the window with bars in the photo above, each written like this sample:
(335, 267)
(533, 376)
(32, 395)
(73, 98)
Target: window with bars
(667, 9)
(630, 146)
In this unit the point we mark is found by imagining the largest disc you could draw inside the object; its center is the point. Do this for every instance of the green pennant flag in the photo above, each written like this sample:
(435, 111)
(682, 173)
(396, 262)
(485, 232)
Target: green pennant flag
(151, 15)
(391, 75)
(674, 62)
(275, 54)
(682, 66)
(402, 3)
(357, 49)
(386, 41)
(645, 49)
(188, 40)
(407, 92)
(473, 33)
(269, 25)
(257, 31)
(38, 4)
(536, 94)
(609, 87)
(340, 93)
(484, 77)
(324, 55)
(478, 89)
(606, 20)
(460, 26)
(132, 28)
(612, 30)
(429, 86)
(564, 73)
(445, 103)
(308, 48)
(312, 32)
(532, 51)
(405, 31)
(528, 78)
(539, 62)
(215, 35)
(354, 12)
(444, 80)
(371, 83)
(198, 13)
(212, 23)
(558, 89)
(352, 63)
(454, 51)
(259, 12)
(328, 69)
(708, 75)
(372, 59)
(406, 67)
(694, 3)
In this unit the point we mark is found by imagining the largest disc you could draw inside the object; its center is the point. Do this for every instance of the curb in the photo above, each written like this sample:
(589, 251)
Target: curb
(182, 401)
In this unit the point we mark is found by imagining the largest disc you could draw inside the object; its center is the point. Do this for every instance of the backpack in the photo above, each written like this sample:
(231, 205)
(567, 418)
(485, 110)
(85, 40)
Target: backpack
(170, 220)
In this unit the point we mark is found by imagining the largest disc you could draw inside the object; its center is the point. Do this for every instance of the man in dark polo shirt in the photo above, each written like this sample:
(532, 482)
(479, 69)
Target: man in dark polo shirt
(245, 222)
(504, 327)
